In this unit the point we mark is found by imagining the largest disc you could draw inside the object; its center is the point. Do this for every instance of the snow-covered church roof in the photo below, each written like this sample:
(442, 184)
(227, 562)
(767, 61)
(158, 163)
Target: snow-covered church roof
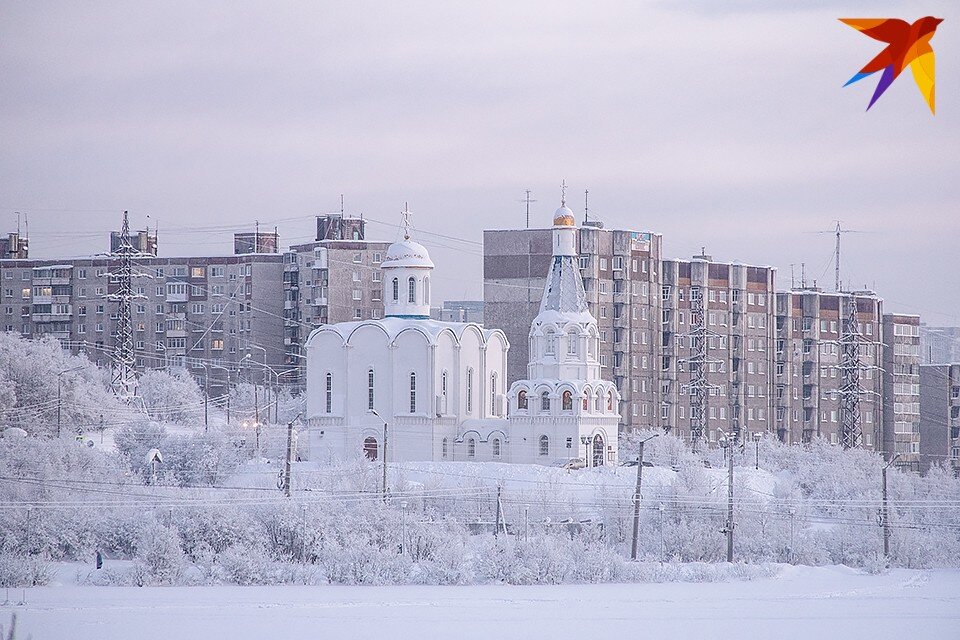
(393, 327)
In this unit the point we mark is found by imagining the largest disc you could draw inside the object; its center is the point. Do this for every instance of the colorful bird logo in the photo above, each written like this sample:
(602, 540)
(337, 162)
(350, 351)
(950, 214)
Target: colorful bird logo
(907, 44)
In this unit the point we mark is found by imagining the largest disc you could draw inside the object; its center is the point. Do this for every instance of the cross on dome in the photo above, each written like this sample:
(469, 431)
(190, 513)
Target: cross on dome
(407, 221)
(563, 193)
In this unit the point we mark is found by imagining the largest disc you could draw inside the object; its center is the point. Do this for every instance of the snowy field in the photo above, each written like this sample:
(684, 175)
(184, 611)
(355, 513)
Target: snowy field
(801, 602)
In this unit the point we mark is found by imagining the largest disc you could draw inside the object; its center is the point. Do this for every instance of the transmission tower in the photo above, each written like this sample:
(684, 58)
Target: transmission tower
(698, 362)
(120, 290)
(851, 341)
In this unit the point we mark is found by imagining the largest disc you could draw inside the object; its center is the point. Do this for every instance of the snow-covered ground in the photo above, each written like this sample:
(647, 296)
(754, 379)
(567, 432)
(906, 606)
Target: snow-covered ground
(801, 602)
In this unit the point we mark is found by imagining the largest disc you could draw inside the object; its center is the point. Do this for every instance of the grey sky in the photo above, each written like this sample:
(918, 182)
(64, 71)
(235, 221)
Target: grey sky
(720, 127)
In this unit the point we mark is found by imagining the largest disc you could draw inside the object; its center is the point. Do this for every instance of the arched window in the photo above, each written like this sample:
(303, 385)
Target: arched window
(522, 400)
(370, 389)
(551, 346)
(443, 392)
(471, 448)
(544, 401)
(413, 393)
(586, 402)
(544, 446)
(493, 394)
(469, 390)
(370, 448)
(573, 344)
(396, 289)
(567, 401)
(609, 400)
(426, 290)
(443, 448)
(596, 403)
(592, 347)
(329, 393)
(412, 290)
(496, 447)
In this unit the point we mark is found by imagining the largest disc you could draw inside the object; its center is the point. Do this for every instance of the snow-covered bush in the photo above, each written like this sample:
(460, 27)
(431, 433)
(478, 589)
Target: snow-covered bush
(172, 396)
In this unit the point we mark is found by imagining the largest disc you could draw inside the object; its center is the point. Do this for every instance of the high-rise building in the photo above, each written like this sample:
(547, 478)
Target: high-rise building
(939, 345)
(714, 370)
(256, 242)
(336, 278)
(14, 247)
(620, 271)
(142, 241)
(940, 415)
(901, 389)
(827, 370)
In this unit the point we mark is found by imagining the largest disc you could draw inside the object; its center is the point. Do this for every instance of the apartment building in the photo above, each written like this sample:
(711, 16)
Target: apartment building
(14, 246)
(188, 311)
(459, 311)
(939, 345)
(620, 271)
(940, 416)
(336, 278)
(812, 377)
(901, 389)
(715, 364)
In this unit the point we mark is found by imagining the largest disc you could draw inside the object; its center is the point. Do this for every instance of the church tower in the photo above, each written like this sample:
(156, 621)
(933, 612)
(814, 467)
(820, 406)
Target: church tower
(406, 277)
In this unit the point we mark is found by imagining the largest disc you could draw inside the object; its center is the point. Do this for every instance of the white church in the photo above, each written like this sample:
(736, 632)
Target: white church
(435, 390)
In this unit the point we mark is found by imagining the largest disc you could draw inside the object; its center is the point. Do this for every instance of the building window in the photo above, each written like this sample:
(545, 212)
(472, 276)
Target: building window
(545, 401)
(544, 446)
(471, 448)
(370, 389)
(412, 290)
(469, 390)
(551, 347)
(370, 448)
(496, 447)
(329, 393)
(443, 448)
(413, 393)
(426, 290)
(493, 394)
(567, 401)
(610, 401)
(443, 392)
(522, 400)
(396, 290)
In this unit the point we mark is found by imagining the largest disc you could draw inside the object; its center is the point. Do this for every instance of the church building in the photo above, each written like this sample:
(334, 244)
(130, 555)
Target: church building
(435, 390)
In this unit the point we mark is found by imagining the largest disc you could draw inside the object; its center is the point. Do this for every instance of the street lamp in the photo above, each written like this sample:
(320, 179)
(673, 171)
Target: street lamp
(379, 417)
(757, 436)
(217, 366)
(59, 386)
(403, 530)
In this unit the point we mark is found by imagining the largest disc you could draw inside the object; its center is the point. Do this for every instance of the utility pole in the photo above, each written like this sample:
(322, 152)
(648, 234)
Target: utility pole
(660, 508)
(379, 417)
(287, 467)
(885, 513)
(727, 444)
(206, 397)
(496, 526)
(636, 498)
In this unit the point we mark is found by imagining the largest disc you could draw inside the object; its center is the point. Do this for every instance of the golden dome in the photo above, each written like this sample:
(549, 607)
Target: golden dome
(563, 217)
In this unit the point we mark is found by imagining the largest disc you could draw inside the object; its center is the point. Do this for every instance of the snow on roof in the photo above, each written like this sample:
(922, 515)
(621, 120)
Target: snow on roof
(393, 327)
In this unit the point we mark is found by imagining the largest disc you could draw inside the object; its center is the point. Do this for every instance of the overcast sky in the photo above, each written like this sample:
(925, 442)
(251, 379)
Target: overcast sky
(725, 128)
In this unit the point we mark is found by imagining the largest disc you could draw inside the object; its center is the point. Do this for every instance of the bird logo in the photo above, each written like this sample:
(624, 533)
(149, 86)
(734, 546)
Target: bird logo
(907, 44)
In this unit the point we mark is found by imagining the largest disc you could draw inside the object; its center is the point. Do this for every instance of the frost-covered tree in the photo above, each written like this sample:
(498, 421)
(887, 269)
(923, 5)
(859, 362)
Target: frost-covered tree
(172, 396)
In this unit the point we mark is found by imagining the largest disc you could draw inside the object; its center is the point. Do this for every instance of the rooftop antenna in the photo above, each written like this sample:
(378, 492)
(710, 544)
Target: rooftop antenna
(803, 275)
(341, 204)
(838, 231)
(563, 193)
(528, 200)
(793, 282)
(18, 222)
(256, 236)
(586, 205)
(406, 222)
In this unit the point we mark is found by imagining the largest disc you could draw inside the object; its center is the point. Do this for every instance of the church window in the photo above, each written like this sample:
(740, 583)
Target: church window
(493, 394)
(573, 341)
(413, 393)
(469, 390)
(545, 401)
(586, 403)
(522, 400)
(329, 393)
(370, 448)
(443, 392)
(496, 447)
(426, 290)
(596, 403)
(551, 347)
(370, 389)
(544, 446)
(412, 290)
(567, 401)
(471, 448)
(610, 401)
(396, 289)
(443, 448)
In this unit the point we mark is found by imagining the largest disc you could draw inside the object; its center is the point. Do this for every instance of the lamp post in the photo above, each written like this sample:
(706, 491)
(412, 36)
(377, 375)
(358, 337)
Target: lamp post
(217, 366)
(59, 387)
(206, 396)
(374, 412)
(757, 436)
(636, 497)
(660, 508)
(403, 529)
(585, 441)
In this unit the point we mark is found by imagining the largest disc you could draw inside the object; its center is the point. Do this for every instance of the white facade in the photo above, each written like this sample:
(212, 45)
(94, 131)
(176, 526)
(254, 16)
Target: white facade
(439, 386)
